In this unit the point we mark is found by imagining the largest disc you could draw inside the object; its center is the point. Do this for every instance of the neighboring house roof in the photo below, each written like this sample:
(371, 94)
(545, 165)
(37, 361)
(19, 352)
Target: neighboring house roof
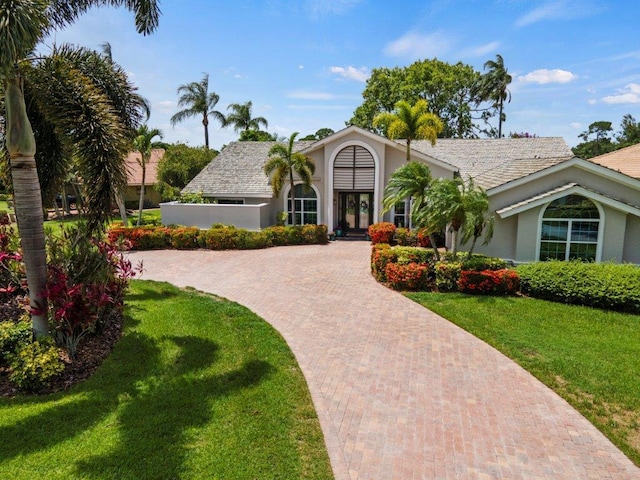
(237, 171)
(134, 170)
(492, 162)
(626, 160)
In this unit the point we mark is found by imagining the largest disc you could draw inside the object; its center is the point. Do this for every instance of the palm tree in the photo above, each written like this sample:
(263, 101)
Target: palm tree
(282, 164)
(143, 144)
(459, 205)
(241, 118)
(410, 122)
(197, 99)
(24, 25)
(412, 180)
(493, 87)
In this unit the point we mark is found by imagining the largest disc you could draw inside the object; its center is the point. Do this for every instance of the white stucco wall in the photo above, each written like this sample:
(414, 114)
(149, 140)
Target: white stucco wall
(251, 217)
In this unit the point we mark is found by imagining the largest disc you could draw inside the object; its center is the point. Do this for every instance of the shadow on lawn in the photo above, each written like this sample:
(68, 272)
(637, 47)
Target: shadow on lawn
(153, 426)
(158, 403)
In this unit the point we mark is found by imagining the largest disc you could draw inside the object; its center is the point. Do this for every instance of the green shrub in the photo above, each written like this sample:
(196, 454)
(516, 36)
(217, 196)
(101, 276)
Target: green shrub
(447, 275)
(277, 235)
(482, 262)
(604, 285)
(247, 240)
(406, 237)
(34, 365)
(408, 255)
(381, 255)
(222, 238)
(13, 335)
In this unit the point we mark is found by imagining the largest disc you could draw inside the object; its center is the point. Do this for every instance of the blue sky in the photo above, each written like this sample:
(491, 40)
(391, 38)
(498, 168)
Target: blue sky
(304, 63)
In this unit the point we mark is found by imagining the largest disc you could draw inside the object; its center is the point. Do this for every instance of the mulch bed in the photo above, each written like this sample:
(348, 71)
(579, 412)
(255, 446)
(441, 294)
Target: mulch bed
(92, 350)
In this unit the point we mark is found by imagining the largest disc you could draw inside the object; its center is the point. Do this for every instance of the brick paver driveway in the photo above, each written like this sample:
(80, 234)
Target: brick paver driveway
(400, 392)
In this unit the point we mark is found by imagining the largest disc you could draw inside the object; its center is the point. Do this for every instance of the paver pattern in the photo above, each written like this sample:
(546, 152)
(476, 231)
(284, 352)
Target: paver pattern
(400, 392)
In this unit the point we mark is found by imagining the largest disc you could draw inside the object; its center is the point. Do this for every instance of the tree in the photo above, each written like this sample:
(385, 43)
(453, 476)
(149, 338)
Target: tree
(241, 118)
(448, 90)
(409, 122)
(282, 164)
(462, 206)
(143, 144)
(411, 181)
(24, 25)
(197, 100)
(320, 134)
(597, 140)
(493, 87)
(179, 165)
(629, 131)
(253, 135)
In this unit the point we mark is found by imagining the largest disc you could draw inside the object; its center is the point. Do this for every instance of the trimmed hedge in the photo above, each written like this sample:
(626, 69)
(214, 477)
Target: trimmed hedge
(217, 238)
(382, 232)
(489, 282)
(604, 285)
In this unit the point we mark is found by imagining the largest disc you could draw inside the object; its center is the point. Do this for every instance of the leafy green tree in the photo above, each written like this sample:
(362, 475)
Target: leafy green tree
(597, 140)
(143, 144)
(493, 87)
(629, 131)
(283, 164)
(179, 165)
(253, 135)
(320, 134)
(197, 100)
(411, 181)
(448, 90)
(74, 108)
(410, 122)
(241, 117)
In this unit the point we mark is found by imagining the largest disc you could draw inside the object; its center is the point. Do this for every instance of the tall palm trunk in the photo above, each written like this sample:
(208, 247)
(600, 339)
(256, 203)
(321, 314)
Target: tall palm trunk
(292, 192)
(205, 123)
(141, 202)
(21, 146)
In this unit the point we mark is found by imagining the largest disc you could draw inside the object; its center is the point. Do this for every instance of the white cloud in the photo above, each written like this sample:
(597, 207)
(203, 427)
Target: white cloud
(300, 67)
(575, 125)
(166, 106)
(629, 94)
(559, 10)
(352, 73)
(480, 51)
(416, 45)
(544, 76)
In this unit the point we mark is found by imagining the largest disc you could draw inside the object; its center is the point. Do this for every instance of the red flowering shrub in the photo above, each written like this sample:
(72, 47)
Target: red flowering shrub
(141, 238)
(423, 238)
(413, 276)
(489, 282)
(382, 232)
(185, 238)
(381, 255)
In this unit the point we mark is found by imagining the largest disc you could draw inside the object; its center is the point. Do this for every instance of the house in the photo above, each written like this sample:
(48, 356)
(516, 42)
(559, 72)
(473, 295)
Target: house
(546, 202)
(134, 180)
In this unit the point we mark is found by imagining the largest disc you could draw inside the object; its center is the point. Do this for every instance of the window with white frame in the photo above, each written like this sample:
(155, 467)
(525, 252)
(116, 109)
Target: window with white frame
(306, 202)
(401, 214)
(569, 229)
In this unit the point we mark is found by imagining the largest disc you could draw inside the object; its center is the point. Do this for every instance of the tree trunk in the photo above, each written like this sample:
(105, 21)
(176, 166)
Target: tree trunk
(141, 202)
(122, 208)
(432, 239)
(21, 145)
(292, 192)
(500, 120)
(205, 123)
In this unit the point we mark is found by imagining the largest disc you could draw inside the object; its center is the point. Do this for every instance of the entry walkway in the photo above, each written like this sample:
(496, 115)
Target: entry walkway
(400, 392)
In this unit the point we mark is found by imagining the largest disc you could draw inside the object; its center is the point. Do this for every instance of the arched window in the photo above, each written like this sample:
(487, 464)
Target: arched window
(570, 227)
(306, 205)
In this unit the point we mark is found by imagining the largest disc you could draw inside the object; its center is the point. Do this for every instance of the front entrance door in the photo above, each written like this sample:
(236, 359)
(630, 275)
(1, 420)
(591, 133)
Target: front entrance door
(355, 211)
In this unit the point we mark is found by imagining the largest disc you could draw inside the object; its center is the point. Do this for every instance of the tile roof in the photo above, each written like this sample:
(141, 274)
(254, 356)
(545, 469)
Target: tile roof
(626, 160)
(134, 170)
(237, 171)
(492, 162)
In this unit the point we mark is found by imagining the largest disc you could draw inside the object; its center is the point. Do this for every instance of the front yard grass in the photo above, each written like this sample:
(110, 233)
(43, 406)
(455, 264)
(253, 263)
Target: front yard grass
(198, 387)
(588, 356)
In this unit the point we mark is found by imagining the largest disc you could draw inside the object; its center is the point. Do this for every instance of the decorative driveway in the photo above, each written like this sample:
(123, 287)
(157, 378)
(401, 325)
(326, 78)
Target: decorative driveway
(400, 392)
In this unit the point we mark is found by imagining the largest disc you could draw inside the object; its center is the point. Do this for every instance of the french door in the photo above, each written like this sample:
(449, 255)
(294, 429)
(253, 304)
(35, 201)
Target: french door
(356, 211)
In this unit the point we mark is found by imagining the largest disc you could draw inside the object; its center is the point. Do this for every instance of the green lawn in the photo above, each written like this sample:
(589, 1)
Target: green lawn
(590, 357)
(198, 387)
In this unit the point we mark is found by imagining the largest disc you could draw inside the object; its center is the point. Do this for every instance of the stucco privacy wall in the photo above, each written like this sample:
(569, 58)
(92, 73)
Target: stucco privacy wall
(251, 217)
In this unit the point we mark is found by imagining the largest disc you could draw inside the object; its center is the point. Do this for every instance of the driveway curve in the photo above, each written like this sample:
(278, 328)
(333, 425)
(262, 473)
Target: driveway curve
(400, 392)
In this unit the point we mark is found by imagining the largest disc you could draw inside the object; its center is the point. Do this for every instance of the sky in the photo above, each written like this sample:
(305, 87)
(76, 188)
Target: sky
(304, 64)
